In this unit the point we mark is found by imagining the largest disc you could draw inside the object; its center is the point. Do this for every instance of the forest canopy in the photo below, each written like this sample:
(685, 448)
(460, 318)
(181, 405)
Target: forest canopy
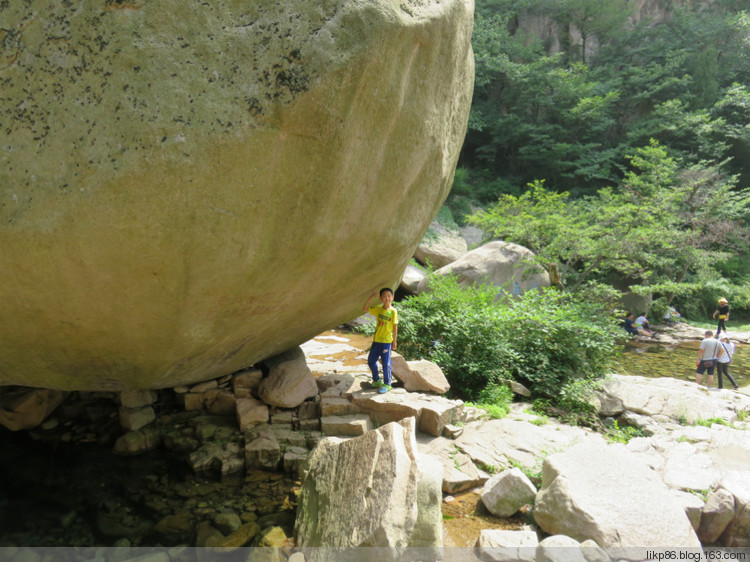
(615, 145)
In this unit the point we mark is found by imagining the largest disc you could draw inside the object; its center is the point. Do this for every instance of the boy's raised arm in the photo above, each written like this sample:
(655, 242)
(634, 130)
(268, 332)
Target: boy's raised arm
(366, 308)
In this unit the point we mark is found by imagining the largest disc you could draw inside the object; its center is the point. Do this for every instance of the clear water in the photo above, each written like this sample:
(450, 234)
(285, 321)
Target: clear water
(677, 361)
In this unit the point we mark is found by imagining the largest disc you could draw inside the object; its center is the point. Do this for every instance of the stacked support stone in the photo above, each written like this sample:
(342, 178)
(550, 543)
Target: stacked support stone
(248, 421)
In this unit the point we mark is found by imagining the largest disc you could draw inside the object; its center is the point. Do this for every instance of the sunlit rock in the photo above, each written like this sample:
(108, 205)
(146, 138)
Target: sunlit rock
(188, 188)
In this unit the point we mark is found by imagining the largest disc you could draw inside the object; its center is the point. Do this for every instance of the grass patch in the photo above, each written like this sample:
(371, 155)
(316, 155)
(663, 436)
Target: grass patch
(624, 434)
(494, 411)
(488, 468)
(732, 326)
(535, 474)
(711, 421)
(495, 399)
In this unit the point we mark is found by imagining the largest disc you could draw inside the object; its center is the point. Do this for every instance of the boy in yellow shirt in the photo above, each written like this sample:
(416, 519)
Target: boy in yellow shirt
(386, 335)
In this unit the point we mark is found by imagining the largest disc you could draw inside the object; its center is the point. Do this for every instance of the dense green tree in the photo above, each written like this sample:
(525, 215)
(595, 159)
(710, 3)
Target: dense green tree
(666, 220)
(575, 119)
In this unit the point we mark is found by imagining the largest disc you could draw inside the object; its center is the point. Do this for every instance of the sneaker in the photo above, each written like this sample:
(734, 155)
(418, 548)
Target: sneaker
(378, 383)
(384, 388)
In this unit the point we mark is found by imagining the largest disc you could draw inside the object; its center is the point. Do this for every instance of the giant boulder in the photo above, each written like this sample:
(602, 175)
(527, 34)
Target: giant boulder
(187, 188)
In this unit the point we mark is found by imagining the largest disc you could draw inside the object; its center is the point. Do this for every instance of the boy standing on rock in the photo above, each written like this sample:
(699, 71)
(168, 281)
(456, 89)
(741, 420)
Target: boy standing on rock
(386, 334)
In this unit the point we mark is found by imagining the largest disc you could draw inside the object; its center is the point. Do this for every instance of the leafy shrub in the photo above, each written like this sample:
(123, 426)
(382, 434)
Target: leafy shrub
(495, 400)
(578, 395)
(542, 340)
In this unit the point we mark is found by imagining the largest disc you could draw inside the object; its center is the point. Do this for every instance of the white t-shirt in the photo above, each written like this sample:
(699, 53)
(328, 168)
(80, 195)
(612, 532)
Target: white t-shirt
(726, 357)
(710, 347)
(641, 321)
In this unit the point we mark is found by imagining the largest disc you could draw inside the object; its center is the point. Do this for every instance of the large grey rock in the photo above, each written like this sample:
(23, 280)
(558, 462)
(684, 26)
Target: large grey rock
(428, 531)
(262, 449)
(346, 426)
(559, 548)
(224, 458)
(157, 158)
(604, 493)
(737, 533)
(25, 408)
(504, 545)
(134, 419)
(250, 412)
(420, 375)
(432, 413)
(459, 472)
(137, 398)
(692, 505)
(440, 246)
(437, 413)
(503, 264)
(392, 406)
(365, 492)
(500, 443)
(507, 492)
(686, 468)
(290, 381)
(716, 516)
(411, 278)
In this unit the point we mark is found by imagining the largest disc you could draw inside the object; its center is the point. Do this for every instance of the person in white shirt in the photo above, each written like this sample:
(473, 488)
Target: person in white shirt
(708, 353)
(642, 323)
(722, 367)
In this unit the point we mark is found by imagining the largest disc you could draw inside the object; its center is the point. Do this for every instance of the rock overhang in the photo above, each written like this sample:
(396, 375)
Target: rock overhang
(187, 191)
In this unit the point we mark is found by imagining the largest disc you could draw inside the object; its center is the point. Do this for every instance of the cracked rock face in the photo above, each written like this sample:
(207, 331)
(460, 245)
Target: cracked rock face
(187, 188)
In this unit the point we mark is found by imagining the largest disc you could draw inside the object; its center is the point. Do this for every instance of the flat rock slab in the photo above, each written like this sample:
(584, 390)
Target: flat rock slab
(675, 399)
(601, 492)
(499, 443)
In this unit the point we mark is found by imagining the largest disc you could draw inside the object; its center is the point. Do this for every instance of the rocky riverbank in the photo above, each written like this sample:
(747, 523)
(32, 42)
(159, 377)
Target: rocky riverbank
(691, 450)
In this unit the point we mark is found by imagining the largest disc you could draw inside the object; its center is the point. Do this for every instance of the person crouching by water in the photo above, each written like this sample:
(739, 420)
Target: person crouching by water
(634, 330)
(642, 322)
(708, 353)
(722, 365)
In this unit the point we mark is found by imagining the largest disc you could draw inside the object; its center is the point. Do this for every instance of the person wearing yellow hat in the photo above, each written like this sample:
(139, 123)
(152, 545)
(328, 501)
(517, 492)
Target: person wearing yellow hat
(723, 313)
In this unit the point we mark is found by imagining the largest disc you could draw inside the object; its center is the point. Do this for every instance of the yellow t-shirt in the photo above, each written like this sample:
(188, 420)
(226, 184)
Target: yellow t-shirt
(386, 320)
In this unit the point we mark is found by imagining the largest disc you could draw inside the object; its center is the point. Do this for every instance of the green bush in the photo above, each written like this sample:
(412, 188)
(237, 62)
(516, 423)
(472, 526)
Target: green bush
(543, 340)
(495, 400)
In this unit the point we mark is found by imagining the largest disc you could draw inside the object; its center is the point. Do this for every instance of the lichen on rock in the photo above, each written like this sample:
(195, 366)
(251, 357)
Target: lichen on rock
(188, 188)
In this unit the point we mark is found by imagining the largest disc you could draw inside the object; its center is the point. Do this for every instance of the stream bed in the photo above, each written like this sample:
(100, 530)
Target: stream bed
(84, 495)
(677, 361)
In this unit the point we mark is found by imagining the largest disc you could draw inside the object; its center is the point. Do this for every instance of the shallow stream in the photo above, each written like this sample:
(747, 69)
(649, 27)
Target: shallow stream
(677, 361)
